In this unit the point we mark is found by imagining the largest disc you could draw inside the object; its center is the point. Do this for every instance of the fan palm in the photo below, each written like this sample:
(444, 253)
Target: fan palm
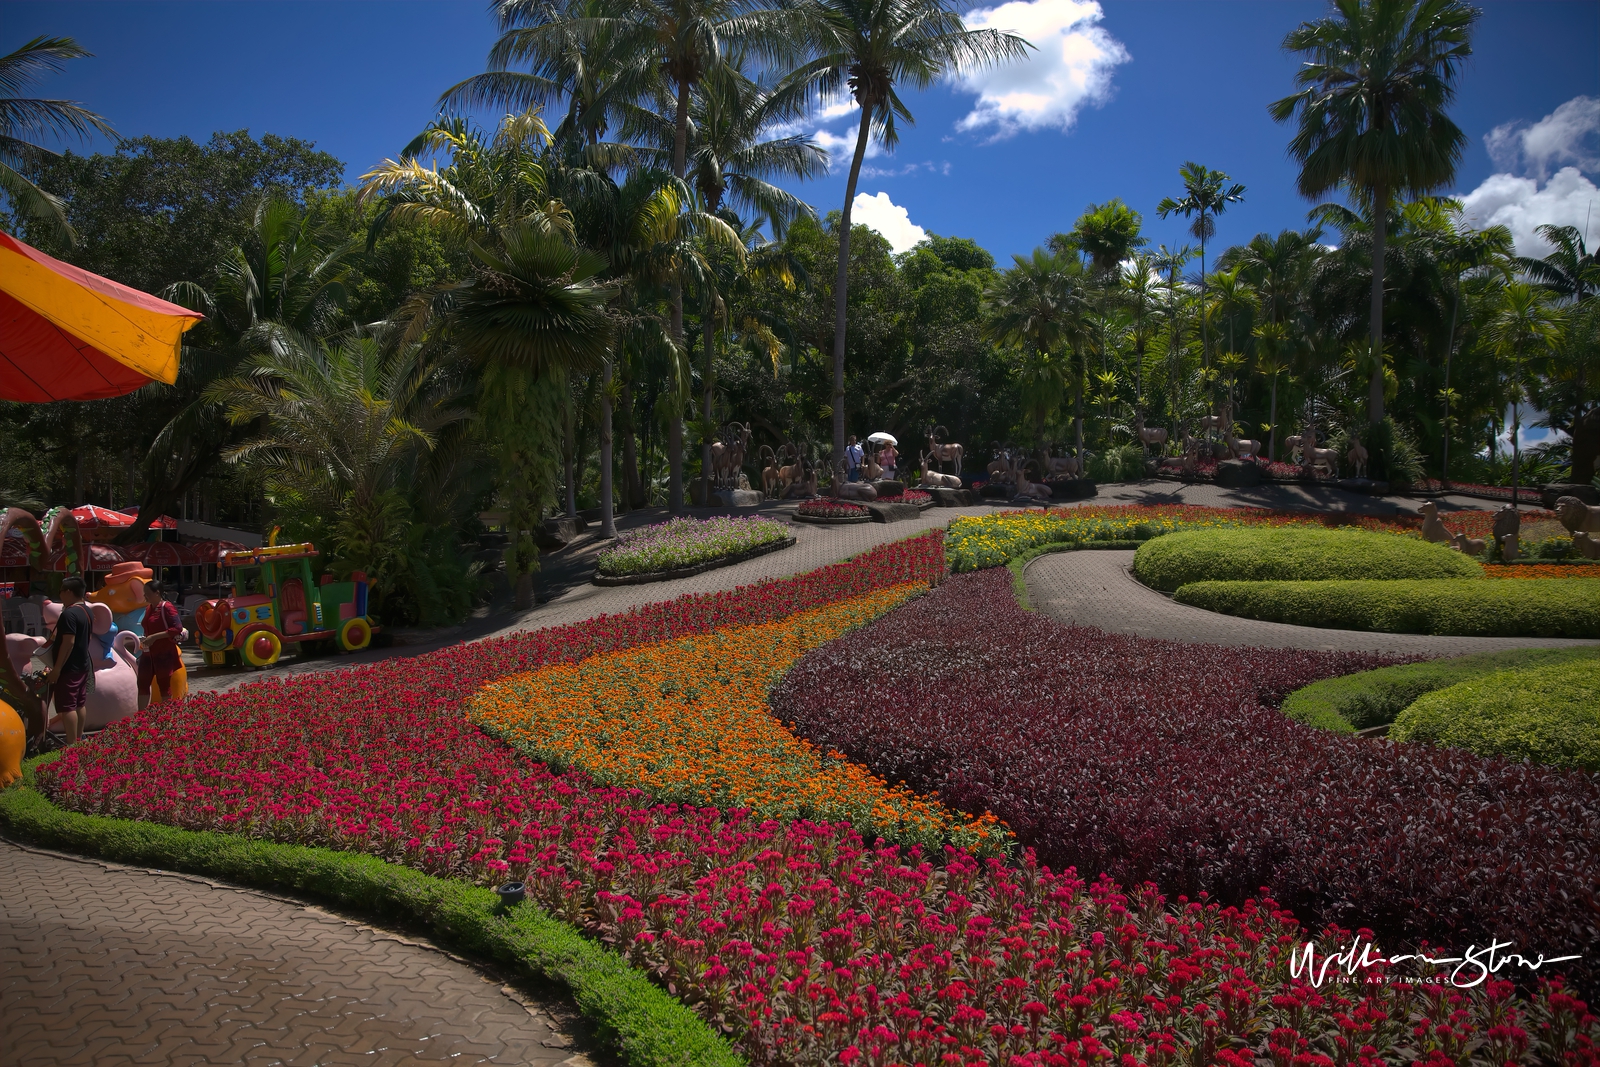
(874, 49)
(24, 119)
(1371, 115)
(1206, 195)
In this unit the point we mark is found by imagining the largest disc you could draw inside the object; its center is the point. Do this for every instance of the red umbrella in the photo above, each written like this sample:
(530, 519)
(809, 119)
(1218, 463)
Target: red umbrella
(211, 551)
(165, 522)
(13, 552)
(93, 516)
(168, 554)
(96, 558)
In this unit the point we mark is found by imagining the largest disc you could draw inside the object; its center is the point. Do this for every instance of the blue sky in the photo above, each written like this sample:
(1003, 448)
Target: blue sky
(1120, 94)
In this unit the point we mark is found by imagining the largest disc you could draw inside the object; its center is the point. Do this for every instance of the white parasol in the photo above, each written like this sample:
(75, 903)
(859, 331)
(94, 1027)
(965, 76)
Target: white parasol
(883, 439)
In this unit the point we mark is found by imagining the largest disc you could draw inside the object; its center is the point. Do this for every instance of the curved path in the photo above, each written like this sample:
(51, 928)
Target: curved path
(173, 969)
(1094, 588)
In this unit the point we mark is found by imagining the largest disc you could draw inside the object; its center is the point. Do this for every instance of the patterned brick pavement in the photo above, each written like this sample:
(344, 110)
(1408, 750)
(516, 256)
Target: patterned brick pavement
(107, 965)
(1094, 588)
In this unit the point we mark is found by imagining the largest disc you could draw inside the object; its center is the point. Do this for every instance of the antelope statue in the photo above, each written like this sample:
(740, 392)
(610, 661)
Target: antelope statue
(1242, 448)
(931, 477)
(1357, 457)
(727, 456)
(1060, 466)
(950, 453)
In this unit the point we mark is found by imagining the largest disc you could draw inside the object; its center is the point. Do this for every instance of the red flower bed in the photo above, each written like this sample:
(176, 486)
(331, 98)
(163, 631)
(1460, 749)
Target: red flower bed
(1154, 760)
(1525, 494)
(823, 508)
(909, 496)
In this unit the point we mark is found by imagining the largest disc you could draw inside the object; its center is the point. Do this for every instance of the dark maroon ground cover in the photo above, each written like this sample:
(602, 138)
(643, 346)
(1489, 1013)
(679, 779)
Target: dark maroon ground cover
(1156, 760)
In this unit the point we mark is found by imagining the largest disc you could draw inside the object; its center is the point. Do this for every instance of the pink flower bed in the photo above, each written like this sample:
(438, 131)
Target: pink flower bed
(824, 508)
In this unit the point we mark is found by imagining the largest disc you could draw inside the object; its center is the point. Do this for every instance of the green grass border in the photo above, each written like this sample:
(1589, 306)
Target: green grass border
(646, 1024)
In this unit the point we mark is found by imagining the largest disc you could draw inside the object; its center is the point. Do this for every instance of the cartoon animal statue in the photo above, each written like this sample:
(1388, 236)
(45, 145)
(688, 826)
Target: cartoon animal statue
(1357, 456)
(1468, 546)
(1577, 516)
(945, 453)
(1433, 528)
(123, 593)
(103, 630)
(1507, 531)
(13, 743)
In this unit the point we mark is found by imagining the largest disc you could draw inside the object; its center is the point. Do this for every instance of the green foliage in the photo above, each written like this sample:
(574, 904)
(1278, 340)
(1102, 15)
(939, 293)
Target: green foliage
(1510, 607)
(1119, 463)
(1373, 698)
(649, 1026)
(1548, 714)
(1292, 552)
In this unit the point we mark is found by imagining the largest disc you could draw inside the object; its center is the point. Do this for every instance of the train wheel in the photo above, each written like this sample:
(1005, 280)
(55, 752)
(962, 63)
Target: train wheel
(355, 634)
(261, 649)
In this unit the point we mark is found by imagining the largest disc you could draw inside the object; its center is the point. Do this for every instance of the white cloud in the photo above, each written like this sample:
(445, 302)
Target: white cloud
(887, 218)
(1568, 136)
(1519, 204)
(842, 148)
(927, 165)
(1072, 67)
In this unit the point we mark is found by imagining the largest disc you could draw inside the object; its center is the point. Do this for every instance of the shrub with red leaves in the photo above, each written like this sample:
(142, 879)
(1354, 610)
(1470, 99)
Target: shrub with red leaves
(824, 508)
(1155, 760)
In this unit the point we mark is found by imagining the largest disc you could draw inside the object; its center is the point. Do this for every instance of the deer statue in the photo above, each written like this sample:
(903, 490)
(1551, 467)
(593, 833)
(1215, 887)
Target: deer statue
(727, 455)
(1326, 458)
(1148, 435)
(950, 453)
(1242, 448)
(1357, 457)
(1223, 420)
(1060, 466)
(935, 479)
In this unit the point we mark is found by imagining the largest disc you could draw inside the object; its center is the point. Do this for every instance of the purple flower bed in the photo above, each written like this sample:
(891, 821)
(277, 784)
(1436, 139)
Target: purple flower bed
(1155, 760)
(685, 542)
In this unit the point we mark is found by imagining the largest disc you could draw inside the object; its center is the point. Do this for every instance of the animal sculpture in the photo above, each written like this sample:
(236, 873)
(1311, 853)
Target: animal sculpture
(1221, 421)
(727, 456)
(1036, 490)
(1148, 435)
(856, 490)
(935, 479)
(1588, 546)
(1243, 448)
(1507, 528)
(116, 688)
(1469, 546)
(1433, 528)
(1326, 458)
(13, 743)
(951, 453)
(1293, 445)
(1357, 457)
(123, 593)
(1060, 466)
(772, 483)
(1577, 516)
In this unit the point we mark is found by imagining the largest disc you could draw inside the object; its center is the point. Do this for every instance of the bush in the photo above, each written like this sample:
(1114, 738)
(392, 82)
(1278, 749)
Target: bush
(685, 542)
(1548, 714)
(1373, 698)
(1120, 463)
(1299, 553)
(1539, 607)
(1154, 760)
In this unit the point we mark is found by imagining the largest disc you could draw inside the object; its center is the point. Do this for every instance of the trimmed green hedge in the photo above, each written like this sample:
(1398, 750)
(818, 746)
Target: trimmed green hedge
(1548, 714)
(1505, 607)
(651, 1028)
(1373, 698)
(1292, 553)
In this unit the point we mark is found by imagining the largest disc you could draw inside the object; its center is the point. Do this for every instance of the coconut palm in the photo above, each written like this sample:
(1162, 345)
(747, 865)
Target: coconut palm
(873, 49)
(1206, 194)
(1377, 79)
(1464, 251)
(1525, 324)
(25, 119)
(1570, 271)
(1041, 305)
(1107, 234)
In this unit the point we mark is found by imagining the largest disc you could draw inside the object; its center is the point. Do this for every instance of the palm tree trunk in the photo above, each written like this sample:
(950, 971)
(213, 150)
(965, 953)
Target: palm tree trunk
(708, 326)
(1449, 350)
(1272, 418)
(680, 148)
(841, 290)
(1516, 434)
(570, 446)
(608, 519)
(1077, 413)
(1380, 226)
(632, 490)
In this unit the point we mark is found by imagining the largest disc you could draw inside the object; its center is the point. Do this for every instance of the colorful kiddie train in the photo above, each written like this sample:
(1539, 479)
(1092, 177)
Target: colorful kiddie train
(275, 603)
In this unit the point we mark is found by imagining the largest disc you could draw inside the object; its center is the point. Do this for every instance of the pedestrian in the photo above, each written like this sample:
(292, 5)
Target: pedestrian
(162, 629)
(852, 459)
(67, 680)
(887, 459)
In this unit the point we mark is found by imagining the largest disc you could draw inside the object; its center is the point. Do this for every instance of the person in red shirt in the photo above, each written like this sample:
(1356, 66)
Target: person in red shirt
(161, 657)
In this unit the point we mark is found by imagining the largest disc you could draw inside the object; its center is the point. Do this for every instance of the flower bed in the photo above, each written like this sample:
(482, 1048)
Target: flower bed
(1542, 570)
(685, 542)
(1154, 760)
(688, 721)
(838, 510)
(1433, 487)
(909, 496)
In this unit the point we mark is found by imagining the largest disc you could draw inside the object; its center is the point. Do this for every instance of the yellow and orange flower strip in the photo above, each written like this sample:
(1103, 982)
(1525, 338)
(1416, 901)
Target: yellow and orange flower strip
(688, 721)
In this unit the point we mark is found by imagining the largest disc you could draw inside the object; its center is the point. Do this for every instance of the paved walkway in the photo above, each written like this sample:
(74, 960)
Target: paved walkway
(106, 965)
(1095, 588)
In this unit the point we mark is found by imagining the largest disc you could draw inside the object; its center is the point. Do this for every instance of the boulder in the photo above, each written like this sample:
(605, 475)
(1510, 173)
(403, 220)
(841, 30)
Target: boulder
(1238, 474)
(950, 498)
(889, 486)
(1555, 490)
(882, 512)
(557, 534)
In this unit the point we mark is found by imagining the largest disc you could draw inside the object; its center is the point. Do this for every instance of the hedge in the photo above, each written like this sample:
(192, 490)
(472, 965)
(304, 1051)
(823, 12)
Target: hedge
(1548, 714)
(1374, 698)
(1292, 553)
(1539, 607)
(649, 1026)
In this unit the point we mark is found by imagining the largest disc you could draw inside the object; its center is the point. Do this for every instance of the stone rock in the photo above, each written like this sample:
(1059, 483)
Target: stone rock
(736, 498)
(1555, 490)
(1073, 488)
(1238, 474)
(882, 512)
(950, 498)
(557, 534)
(889, 486)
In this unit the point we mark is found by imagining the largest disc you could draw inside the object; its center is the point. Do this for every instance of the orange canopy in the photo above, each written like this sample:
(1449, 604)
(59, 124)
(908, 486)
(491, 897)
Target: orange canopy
(66, 334)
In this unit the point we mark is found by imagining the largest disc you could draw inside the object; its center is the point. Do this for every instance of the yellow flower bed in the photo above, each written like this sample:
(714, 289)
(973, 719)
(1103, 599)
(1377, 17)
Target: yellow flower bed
(688, 721)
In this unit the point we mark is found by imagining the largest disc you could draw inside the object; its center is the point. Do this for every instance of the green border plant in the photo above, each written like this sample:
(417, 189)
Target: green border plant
(648, 1025)
(1292, 553)
(1548, 714)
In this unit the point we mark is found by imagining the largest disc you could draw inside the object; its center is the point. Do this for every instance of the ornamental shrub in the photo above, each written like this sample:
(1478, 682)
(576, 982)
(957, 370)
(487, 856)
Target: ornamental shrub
(1540, 607)
(1548, 714)
(1292, 553)
(1373, 698)
(1155, 760)
(684, 542)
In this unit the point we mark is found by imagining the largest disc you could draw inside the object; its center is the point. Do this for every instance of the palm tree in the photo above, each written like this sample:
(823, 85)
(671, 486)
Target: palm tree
(1378, 77)
(1206, 195)
(1571, 271)
(23, 119)
(1107, 234)
(1039, 305)
(1170, 261)
(1525, 324)
(1141, 287)
(1271, 339)
(875, 48)
(1464, 250)
(1233, 300)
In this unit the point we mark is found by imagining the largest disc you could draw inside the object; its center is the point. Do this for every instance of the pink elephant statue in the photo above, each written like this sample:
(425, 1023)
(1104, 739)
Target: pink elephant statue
(116, 683)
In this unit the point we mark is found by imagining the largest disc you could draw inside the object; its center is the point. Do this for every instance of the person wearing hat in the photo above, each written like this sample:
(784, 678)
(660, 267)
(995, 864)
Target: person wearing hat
(123, 593)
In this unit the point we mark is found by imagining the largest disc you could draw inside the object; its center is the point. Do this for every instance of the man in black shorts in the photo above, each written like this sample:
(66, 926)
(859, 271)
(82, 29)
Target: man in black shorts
(68, 677)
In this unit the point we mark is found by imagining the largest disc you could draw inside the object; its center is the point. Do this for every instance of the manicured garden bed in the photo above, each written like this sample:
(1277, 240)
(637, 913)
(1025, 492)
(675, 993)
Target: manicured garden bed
(1548, 607)
(834, 512)
(1549, 714)
(1373, 698)
(1153, 760)
(1292, 553)
(684, 546)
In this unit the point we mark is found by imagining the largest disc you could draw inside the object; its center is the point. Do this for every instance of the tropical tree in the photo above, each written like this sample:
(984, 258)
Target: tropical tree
(873, 49)
(1041, 305)
(1107, 234)
(1464, 250)
(23, 120)
(1570, 272)
(1206, 194)
(1525, 325)
(1377, 79)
